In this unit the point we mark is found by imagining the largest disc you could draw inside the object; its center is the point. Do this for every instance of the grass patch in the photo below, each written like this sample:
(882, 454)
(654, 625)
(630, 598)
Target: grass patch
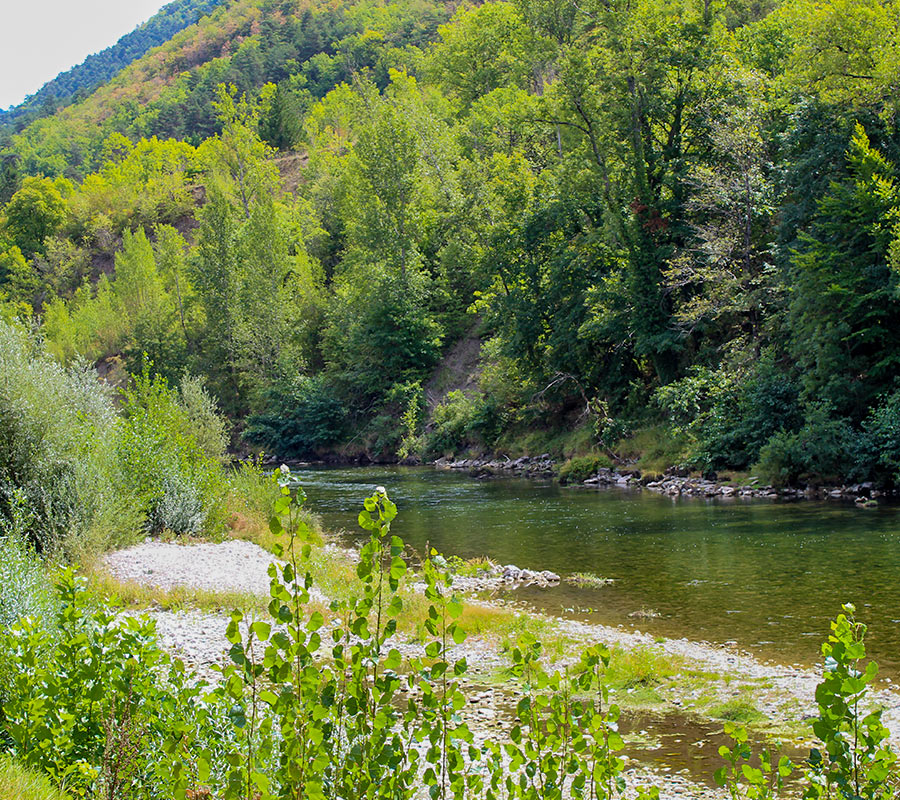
(20, 783)
(641, 666)
(134, 595)
(737, 710)
(588, 580)
(478, 567)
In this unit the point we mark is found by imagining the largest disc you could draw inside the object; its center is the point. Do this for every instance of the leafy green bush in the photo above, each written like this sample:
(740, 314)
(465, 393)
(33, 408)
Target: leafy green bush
(729, 415)
(177, 481)
(879, 455)
(94, 707)
(300, 418)
(58, 431)
(24, 588)
(824, 449)
(579, 468)
(452, 423)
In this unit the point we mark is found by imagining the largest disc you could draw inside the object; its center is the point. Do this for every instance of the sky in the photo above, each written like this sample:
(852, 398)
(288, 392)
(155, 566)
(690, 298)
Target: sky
(45, 37)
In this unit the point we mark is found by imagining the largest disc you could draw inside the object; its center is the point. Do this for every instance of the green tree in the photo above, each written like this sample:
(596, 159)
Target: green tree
(844, 312)
(37, 210)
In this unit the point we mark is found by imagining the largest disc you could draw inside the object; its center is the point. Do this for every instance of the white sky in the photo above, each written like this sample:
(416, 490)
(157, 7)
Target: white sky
(41, 38)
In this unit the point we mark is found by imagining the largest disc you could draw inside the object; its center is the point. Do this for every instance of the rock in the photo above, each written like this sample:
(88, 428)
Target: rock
(550, 577)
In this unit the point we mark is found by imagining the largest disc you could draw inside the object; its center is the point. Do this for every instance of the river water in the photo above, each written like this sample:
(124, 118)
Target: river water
(766, 576)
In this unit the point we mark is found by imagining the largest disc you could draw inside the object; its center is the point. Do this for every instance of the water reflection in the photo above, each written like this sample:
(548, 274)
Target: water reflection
(765, 575)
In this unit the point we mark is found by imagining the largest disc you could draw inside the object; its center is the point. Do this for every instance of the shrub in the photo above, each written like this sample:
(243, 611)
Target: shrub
(879, 455)
(825, 448)
(24, 588)
(300, 418)
(95, 708)
(209, 426)
(579, 468)
(452, 423)
(178, 483)
(58, 431)
(729, 415)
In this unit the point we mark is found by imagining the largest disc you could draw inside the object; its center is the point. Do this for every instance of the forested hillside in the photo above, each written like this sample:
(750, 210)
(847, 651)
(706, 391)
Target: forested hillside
(78, 82)
(669, 228)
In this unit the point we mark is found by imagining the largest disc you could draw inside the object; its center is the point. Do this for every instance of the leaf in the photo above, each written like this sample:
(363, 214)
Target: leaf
(261, 630)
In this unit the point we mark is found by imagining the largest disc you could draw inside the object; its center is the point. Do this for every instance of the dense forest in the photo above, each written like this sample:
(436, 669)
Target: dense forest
(78, 82)
(664, 231)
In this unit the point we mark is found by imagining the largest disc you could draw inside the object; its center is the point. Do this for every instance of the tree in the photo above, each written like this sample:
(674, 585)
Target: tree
(844, 309)
(36, 211)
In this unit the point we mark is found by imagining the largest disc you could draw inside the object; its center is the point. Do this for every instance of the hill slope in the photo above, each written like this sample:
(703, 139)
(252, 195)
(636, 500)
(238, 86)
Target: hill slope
(78, 82)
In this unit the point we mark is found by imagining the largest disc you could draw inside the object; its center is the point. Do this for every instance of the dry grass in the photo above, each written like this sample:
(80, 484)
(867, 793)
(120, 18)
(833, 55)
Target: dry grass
(134, 595)
(19, 783)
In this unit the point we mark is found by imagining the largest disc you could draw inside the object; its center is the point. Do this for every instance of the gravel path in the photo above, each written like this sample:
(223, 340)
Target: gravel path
(232, 566)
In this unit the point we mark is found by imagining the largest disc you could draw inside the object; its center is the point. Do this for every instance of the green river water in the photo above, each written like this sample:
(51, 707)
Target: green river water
(766, 576)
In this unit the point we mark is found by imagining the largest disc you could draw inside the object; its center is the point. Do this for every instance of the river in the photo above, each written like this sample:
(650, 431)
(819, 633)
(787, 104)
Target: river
(765, 575)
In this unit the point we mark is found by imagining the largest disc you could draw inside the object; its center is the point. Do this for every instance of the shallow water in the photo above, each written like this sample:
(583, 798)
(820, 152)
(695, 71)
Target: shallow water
(767, 576)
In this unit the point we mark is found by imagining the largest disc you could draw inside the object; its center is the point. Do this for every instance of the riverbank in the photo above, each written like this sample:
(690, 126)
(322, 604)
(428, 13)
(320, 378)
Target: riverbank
(681, 679)
(672, 484)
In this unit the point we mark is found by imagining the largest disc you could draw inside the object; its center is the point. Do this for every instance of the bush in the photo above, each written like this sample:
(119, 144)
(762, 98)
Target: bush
(452, 423)
(58, 431)
(731, 416)
(300, 419)
(179, 484)
(24, 588)
(579, 468)
(879, 452)
(825, 449)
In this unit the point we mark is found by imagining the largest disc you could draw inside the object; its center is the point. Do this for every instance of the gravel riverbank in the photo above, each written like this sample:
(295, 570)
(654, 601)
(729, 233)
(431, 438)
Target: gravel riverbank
(780, 692)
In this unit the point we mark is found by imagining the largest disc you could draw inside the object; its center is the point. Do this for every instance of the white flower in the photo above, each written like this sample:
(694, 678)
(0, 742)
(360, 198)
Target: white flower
(380, 490)
(285, 470)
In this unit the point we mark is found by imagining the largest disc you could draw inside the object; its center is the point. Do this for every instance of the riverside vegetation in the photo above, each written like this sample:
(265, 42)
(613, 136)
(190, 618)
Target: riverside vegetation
(323, 705)
(661, 231)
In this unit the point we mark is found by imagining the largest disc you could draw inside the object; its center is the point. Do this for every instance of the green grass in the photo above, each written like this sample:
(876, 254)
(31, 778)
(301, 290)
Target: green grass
(477, 567)
(133, 595)
(579, 468)
(737, 710)
(19, 783)
(588, 579)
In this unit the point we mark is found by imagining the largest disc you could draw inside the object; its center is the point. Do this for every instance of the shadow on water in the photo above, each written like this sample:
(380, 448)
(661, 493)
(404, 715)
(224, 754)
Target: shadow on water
(765, 576)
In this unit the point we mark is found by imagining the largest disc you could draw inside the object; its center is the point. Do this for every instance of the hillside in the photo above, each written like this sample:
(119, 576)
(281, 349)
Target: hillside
(669, 229)
(78, 82)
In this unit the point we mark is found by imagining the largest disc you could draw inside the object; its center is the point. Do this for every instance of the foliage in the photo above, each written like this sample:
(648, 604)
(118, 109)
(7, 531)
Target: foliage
(452, 423)
(823, 449)
(24, 584)
(731, 416)
(169, 456)
(58, 430)
(678, 215)
(89, 707)
(299, 419)
(579, 468)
